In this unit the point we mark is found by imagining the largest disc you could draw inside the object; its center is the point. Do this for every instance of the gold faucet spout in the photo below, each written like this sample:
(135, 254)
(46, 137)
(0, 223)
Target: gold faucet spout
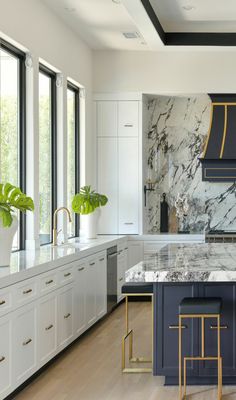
(54, 232)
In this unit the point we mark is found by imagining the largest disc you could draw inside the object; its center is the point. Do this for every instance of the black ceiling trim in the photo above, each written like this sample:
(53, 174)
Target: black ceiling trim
(188, 38)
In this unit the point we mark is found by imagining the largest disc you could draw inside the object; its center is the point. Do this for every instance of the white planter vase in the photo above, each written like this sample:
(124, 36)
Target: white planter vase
(91, 225)
(6, 241)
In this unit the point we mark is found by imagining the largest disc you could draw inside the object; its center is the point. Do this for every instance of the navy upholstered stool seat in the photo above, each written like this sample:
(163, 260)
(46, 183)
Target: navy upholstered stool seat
(200, 305)
(200, 308)
(137, 288)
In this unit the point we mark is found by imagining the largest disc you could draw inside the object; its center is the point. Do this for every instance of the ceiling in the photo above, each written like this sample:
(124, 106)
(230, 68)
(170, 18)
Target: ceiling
(100, 23)
(196, 15)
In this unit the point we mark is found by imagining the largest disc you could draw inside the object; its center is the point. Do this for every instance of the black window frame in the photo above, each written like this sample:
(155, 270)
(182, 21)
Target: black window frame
(21, 56)
(53, 77)
(76, 91)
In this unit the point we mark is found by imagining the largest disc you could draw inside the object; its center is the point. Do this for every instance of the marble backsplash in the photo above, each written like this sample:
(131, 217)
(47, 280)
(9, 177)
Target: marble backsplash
(175, 130)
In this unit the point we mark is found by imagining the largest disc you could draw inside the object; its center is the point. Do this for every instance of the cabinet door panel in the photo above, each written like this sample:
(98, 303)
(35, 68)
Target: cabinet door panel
(108, 184)
(106, 118)
(47, 328)
(128, 118)
(65, 326)
(128, 185)
(101, 286)
(5, 355)
(79, 298)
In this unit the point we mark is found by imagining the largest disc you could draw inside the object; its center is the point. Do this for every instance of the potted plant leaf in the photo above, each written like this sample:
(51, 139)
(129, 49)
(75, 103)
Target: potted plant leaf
(11, 199)
(87, 202)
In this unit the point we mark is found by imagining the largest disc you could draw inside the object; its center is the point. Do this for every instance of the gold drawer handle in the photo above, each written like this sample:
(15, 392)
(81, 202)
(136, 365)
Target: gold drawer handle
(2, 359)
(27, 342)
(121, 279)
(177, 326)
(49, 327)
(2, 302)
(221, 327)
(67, 274)
(48, 282)
(67, 316)
(27, 291)
(102, 259)
(126, 248)
(81, 269)
(93, 263)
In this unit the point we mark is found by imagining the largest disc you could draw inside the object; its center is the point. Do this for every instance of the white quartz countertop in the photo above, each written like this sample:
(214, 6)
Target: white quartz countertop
(28, 263)
(198, 262)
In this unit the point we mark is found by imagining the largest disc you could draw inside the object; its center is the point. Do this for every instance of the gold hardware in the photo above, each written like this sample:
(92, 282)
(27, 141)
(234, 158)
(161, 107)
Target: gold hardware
(217, 358)
(48, 282)
(121, 279)
(67, 274)
(221, 327)
(224, 133)
(27, 342)
(27, 291)
(129, 335)
(2, 302)
(2, 359)
(92, 263)
(102, 259)
(81, 269)
(126, 248)
(177, 327)
(67, 316)
(54, 232)
(49, 327)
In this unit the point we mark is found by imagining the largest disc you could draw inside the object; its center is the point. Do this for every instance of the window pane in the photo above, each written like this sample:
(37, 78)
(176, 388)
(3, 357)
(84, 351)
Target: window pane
(9, 123)
(45, 155)
(71, 156)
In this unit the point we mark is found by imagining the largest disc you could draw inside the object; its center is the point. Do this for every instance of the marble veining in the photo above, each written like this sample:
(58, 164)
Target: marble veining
(175, 131)
(202, 262)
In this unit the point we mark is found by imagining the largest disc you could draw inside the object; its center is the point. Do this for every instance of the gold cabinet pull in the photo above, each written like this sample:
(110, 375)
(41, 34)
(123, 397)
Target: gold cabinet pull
(2, 359)
(121, 279)
(67, 316)
(67, 274)
(2, 302)
(49, 327)
(177, 327)
(93, 263)
(126, 248)
(102, 259)
(50, 281)
(27, 291)
(27, 342)
(221, 326)
(81, 269)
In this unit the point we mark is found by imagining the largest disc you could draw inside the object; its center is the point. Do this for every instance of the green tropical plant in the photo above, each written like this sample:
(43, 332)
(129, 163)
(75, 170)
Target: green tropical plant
(87, 200)
(11, 198)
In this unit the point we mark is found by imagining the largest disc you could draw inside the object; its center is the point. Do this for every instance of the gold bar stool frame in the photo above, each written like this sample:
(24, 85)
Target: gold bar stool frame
(190, 304)
(138, 290)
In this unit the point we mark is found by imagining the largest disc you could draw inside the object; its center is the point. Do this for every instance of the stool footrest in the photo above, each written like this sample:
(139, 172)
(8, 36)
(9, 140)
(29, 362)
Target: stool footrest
(201, 358)
(137, 370)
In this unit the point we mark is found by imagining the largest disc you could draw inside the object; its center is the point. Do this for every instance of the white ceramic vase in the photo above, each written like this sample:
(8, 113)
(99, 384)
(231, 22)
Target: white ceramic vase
(91, 225)
(6, 241)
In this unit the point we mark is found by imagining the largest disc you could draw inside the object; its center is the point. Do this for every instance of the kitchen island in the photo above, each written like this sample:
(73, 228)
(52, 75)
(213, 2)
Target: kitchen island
(191, 270)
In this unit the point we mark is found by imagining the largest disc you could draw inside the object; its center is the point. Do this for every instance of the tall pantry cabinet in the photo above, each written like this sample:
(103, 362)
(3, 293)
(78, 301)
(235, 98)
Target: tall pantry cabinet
(119, 162)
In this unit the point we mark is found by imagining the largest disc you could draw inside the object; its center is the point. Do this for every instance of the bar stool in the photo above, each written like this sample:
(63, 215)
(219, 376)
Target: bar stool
(135, 289)
(200, 307)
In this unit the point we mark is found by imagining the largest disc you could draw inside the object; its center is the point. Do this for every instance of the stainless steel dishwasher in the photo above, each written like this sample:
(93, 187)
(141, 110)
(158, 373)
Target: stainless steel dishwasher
(111, 278)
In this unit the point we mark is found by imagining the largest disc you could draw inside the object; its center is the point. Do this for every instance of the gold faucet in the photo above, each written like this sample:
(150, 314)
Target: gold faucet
(54, 231)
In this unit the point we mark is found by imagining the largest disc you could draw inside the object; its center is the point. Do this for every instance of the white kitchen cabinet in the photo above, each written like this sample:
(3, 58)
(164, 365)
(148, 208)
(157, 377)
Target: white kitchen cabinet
(24, 359)
(91, 283)
(101, 285)
(5, 356)
(107, 183)
(79, 298)
(128, 118)
(128, 173)
(47, 327)
(65, 316)
(135, 252)
(107, 118)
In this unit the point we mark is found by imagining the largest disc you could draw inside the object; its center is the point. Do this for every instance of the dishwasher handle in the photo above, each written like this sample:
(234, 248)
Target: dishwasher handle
(112, 255)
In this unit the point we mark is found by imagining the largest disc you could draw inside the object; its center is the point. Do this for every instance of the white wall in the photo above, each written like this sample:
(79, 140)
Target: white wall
(177, 71)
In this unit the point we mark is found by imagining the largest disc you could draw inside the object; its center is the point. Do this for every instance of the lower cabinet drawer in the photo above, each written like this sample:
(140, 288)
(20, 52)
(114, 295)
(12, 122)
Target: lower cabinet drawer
(65, 317)
(5, 356)
(25, 292)
(48, 282)
(24, 343)
(47, 328)
(65, 275)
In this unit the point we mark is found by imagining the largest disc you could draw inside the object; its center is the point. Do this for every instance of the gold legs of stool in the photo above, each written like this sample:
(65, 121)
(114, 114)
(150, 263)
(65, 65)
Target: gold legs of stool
(218, 358)
(129, 335)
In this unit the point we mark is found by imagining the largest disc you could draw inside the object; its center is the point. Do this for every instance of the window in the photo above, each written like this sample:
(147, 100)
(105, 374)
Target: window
(12, 125)
(72, 153)
(47, 152)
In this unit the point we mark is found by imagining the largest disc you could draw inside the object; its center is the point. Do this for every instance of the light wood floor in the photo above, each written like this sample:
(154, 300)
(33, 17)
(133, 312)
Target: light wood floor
(91, 368)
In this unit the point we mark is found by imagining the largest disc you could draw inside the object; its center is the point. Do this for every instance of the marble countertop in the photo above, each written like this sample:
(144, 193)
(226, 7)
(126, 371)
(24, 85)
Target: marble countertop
(28, 263)
(200, 262)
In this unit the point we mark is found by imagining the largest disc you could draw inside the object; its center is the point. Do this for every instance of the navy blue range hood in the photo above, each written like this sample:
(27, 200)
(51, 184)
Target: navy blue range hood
(219, 156)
